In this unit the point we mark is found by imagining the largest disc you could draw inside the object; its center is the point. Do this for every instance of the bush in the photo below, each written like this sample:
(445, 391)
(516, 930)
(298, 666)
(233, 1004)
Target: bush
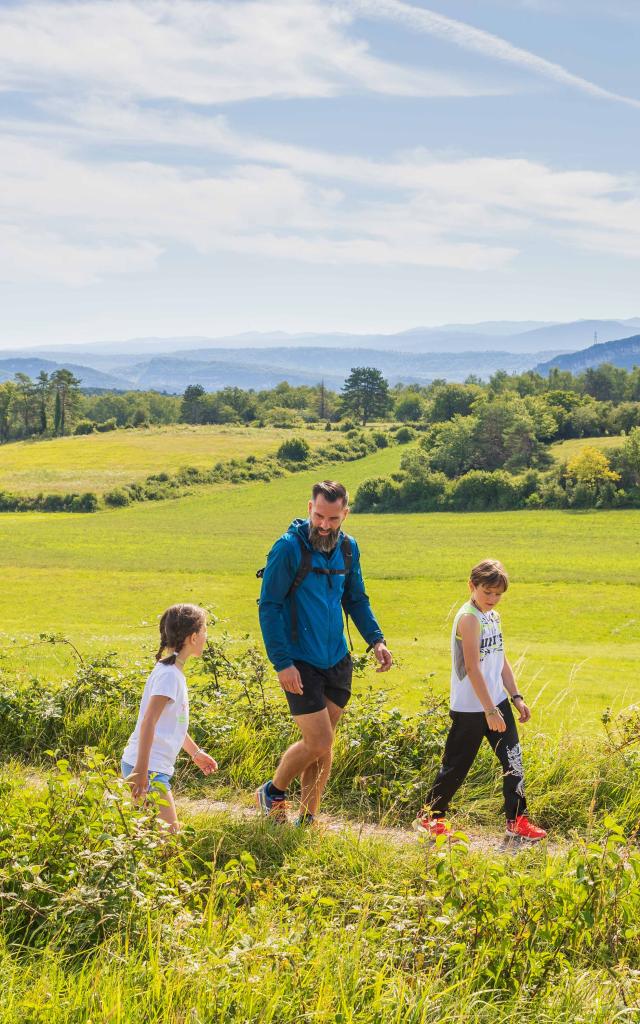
(54, 503)
(85, 427)
(117, 498)
(378, 494)
(380, 439)
(347, 425)
(295, 449)
(481, 491)
(404, 435)
(87, 502)
(108, 425)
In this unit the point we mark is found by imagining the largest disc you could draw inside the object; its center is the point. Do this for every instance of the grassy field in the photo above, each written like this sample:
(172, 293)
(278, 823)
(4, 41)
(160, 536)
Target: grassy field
(564, 450)
(571, 619)
(99, 462)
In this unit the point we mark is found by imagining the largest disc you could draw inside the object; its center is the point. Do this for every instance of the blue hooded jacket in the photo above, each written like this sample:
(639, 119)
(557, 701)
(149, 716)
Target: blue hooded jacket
(321, 640)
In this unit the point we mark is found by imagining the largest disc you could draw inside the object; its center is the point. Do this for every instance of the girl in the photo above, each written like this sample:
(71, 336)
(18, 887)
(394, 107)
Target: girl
(161, 730)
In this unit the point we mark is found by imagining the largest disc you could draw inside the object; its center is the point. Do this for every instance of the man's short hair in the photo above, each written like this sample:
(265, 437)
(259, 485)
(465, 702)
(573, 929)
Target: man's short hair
(331, 491)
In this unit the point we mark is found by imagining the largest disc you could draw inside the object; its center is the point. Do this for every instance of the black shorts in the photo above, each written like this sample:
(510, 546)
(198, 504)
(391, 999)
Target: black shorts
(320, 685)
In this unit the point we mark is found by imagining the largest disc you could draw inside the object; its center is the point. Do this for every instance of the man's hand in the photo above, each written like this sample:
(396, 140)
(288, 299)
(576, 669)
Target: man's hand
(205, 762)
(290, 680)
(525, 712)
(495, 721)
(383, 656)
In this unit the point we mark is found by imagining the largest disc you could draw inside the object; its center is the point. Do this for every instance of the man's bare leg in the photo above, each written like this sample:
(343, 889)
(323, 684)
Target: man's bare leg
(317, 737)
(315, 776)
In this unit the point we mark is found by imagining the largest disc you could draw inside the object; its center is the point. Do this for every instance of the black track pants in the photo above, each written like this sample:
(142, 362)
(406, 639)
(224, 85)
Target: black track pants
(468, 729)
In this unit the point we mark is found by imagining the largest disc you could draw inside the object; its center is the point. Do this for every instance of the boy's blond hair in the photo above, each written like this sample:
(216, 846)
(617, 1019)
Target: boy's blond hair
(489, 573)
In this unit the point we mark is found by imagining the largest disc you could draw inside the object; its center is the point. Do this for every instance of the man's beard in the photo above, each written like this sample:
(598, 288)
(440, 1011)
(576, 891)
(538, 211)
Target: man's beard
(323, 542)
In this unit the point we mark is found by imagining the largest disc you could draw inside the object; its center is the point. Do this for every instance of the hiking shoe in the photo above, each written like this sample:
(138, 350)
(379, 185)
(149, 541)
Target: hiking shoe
(521, 828)
(433, 827)
(274, 808)
(304, 821)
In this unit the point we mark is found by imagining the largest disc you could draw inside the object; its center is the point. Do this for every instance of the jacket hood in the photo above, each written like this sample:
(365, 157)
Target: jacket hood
(301, 528)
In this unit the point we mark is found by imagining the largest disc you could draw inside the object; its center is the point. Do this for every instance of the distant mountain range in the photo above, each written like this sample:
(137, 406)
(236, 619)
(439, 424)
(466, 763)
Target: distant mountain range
(262, 360)
(32, 366)
(624, 352)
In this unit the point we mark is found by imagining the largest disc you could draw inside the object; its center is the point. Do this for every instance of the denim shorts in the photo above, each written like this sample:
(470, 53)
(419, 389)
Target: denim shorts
(155, 778)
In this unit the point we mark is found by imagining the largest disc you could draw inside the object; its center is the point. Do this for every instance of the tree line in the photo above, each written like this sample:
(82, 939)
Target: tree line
(505, 421)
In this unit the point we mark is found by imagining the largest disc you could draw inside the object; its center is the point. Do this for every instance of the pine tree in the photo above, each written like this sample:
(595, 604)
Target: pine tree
(366, 393)
(43, 388)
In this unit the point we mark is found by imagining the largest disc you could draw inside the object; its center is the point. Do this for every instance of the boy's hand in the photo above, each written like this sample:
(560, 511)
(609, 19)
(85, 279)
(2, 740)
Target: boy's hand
(205, 762)
(495, 721)
(139, 782)
(525, 712)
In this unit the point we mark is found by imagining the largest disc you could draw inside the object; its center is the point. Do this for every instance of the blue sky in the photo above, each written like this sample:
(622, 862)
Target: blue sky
(173, 167)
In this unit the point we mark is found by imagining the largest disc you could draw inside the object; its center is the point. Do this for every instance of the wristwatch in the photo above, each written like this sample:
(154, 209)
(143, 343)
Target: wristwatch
(375, 643)
(515, 697)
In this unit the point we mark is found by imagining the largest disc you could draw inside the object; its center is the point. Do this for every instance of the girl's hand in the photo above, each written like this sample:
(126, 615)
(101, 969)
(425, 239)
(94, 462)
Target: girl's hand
(205, 762)
(525, 712)
(139, 782)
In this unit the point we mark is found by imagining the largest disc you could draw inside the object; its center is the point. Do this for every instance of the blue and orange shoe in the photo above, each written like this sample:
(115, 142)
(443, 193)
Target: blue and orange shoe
(271, 807)
(304, 821)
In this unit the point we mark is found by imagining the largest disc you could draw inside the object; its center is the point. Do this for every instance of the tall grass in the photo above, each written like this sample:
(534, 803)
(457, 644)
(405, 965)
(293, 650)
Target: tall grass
(244, 922)
(384, 760)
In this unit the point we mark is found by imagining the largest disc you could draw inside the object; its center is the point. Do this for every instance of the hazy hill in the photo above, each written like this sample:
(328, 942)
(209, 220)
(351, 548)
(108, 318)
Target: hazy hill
(624, 352)
(522, 337)
(89, 377)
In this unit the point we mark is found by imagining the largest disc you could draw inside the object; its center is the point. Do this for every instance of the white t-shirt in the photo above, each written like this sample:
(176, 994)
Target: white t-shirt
(173, 724)
(463, 695)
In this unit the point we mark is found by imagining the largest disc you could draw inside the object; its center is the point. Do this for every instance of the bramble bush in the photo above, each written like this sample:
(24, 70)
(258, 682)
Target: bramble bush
(384, 760)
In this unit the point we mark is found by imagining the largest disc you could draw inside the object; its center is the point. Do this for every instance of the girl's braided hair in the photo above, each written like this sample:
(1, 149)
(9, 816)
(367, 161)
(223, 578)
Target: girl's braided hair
(176, 625)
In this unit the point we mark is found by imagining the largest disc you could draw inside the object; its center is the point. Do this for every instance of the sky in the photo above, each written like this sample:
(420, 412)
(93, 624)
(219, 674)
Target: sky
(208, 167)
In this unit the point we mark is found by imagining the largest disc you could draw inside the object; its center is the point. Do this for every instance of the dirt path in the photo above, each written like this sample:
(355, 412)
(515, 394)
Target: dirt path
(484, 840)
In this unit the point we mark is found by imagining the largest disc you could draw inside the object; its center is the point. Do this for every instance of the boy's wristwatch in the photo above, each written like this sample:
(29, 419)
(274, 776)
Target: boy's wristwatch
(515, 697)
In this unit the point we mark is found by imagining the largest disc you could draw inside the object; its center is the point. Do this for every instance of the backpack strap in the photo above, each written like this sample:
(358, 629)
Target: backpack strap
(303, 570)
(347, 555)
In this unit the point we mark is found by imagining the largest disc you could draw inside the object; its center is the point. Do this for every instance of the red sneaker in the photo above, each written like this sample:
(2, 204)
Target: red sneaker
(522, 828)
(433, 827)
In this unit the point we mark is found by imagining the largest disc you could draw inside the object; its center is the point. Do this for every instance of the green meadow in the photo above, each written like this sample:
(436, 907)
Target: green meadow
(99, 462)
(571, 615)
(564, 450)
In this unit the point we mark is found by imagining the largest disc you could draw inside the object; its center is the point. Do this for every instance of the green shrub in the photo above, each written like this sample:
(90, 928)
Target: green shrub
(87, 502)
(85, 427)
(110, 424)
(482, 491)
(380, 439)
(405, 434)
(295, 449)
(378, 494)
(117, 498)
(54, 503)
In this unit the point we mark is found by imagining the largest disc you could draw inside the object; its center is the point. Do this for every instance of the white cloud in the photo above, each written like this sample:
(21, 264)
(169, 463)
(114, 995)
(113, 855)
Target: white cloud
(478, 41)
(73, 216)
(200, 51)
(249, 195)
(39, 255)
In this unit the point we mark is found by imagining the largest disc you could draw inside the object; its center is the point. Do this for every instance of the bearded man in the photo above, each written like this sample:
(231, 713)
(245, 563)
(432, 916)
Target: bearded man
(313, 573)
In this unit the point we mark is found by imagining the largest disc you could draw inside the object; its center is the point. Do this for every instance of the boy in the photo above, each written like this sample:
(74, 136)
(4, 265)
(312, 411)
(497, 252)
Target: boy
(480, 674)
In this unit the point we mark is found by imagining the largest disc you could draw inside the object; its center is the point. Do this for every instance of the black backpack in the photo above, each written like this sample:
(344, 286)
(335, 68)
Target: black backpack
(305, 567)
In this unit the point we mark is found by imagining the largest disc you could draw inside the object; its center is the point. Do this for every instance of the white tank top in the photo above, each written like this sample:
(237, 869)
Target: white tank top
(463, 696)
